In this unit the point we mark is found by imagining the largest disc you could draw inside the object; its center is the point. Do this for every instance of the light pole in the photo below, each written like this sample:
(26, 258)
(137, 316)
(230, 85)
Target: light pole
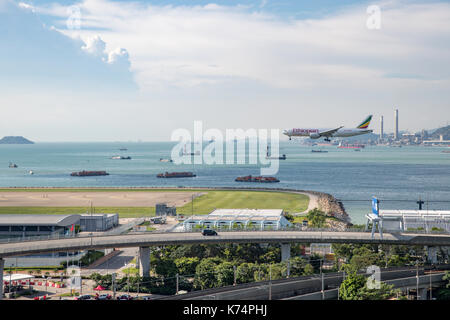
(417, 280)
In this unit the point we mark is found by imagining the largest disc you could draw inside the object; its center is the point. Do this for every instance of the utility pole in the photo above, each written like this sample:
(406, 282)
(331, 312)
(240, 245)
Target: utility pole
(270, 282)
(288, 271)
(178, 283)
(417, 280)
(113, 278)
(321, 275)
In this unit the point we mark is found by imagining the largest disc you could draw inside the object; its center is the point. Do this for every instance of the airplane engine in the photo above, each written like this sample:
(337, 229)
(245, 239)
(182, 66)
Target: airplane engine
(314, 135)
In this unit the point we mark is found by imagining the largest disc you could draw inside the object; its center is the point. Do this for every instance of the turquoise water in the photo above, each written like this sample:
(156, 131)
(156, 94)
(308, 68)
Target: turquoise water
(391, 174)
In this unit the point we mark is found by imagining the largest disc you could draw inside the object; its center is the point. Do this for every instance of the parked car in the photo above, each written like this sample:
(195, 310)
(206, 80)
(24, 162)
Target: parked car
(104, 296)
(209, 232)
(125, 297)
(84, 297)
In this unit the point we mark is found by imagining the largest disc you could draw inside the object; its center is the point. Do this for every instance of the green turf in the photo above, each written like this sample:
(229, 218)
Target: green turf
(202, 205)
(246, 200)
(124, 212)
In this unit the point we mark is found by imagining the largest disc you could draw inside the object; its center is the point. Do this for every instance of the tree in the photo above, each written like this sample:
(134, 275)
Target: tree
(166, 268)
(186, 265)
(316, 218)
(205, 273)
(350, 287)
(245, 272)
(308, 270)
(224, 274)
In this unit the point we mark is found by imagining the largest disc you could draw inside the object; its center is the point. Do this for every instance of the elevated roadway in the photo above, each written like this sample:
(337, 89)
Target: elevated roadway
(180, 238)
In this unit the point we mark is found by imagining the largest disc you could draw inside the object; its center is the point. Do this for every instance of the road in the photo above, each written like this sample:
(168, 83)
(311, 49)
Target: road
(179, 238)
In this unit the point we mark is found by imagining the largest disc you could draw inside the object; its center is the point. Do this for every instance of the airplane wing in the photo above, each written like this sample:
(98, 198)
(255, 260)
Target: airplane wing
(329, 133)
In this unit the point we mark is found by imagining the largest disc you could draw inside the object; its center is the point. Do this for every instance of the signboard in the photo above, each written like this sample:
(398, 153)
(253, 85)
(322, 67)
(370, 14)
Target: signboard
(375, 207)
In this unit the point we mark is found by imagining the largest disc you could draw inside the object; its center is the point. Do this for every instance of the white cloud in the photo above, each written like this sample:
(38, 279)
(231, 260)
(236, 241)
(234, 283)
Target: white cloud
(95, 46)
(176, 45)
(119, 54)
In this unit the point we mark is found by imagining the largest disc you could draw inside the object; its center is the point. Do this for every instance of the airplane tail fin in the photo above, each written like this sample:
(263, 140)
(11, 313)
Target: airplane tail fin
(365, 123)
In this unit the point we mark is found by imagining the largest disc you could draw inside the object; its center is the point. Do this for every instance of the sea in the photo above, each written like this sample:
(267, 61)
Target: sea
(398, 177)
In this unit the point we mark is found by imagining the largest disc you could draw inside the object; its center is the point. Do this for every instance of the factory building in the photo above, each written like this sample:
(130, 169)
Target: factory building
(260, 219)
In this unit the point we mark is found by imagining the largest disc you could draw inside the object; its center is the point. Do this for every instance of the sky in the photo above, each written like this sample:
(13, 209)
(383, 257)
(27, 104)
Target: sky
(103, 70)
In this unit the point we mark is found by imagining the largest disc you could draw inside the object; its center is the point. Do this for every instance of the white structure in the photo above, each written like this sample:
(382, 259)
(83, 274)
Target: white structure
(237, 218)
(426, 220)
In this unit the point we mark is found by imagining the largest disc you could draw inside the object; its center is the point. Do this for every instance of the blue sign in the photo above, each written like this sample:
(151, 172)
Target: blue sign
(375, 208)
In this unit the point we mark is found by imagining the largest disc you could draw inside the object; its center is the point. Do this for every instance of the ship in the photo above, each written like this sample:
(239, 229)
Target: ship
(185, 153)
(257, 179)
(165, 160)
(282, 157)
(121, 158)
(123, 149)
(89, 173)
(319, 151)
(350, 145)
(176, 175)
(12, 165)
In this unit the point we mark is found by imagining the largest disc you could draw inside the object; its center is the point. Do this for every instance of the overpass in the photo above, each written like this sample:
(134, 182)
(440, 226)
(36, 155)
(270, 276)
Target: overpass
(146, 240)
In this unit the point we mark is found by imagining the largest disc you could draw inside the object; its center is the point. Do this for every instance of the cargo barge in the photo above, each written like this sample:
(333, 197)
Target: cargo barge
(121, 158)
(176, 175)
(350, 146)
(257, 179)
(89, 173)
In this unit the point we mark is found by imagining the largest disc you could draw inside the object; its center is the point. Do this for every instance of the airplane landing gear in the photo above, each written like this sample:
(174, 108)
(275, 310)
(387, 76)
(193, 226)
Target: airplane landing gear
(327, 140)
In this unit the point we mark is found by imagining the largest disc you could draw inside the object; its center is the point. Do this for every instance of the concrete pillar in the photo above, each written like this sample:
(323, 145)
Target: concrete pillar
(432, 254)
(285, 251)
(422, 294)
(2, 265)
(144, 261)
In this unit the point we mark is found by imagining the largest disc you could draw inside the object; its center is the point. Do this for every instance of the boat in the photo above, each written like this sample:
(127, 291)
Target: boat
(176, 175)
(31, 172)
(282, 157)
(185, 153)
(121, 158)
(350, 145)
(165, 160)
(260, 179)
(89, 173)
(319, 151)
(12, 165)
(123, 149)
(357, 149)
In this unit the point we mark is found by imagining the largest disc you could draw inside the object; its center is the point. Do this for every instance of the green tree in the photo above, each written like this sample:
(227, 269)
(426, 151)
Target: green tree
(224, 274)
(350, 287)
(316, 218)
(166, 267)
(205, 273)
(245, 272)
(186, 265)
(308, 270)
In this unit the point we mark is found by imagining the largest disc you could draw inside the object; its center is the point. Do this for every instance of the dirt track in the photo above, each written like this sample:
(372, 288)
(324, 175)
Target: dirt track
(99, 199)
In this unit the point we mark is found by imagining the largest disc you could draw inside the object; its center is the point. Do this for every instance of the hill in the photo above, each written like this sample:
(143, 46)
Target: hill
(15, 140)
(445, 131)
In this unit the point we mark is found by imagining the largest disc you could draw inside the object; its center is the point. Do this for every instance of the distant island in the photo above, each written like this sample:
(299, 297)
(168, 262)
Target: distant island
(15, 140)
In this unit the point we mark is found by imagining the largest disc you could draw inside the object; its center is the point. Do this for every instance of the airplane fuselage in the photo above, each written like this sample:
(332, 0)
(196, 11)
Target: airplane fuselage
(315, 133)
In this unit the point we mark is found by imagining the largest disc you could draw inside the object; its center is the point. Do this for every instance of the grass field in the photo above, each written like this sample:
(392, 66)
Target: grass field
(246, 199)
(202, 205)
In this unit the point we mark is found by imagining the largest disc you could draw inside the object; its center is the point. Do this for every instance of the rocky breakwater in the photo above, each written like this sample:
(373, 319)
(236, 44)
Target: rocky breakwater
(332, 207)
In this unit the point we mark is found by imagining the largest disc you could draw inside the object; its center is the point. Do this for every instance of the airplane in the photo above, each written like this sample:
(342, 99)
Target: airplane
(340, 132)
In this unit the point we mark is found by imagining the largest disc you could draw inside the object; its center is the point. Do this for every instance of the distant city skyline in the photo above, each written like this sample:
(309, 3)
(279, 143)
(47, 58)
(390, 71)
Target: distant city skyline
(103, 70)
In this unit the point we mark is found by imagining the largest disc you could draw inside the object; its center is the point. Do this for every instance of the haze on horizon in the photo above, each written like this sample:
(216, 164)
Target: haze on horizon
(103, 70)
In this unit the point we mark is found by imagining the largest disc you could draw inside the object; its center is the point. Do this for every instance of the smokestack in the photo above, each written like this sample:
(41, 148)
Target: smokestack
(396, 125)
(381, 128)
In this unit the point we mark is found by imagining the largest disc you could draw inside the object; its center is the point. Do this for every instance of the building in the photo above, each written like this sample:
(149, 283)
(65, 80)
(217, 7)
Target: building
(98, 222)
(412, 220)
(32, 225)
(262, 219)
(162, 209)
(381, 128)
